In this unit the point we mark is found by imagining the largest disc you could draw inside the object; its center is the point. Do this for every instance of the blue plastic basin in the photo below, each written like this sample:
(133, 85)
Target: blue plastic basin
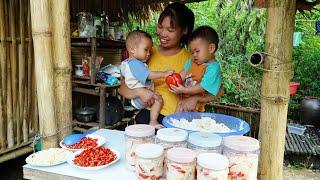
(238, 126)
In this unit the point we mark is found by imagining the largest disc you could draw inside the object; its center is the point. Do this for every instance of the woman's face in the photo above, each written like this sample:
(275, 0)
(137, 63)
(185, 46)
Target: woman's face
(169, 36)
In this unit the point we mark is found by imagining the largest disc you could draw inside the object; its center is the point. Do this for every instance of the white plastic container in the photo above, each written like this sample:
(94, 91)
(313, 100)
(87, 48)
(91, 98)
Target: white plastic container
(212, 166)
(135, 135)
(180, 164)
(202, 142)
(243, 155)
(149, 161)
(171, 137)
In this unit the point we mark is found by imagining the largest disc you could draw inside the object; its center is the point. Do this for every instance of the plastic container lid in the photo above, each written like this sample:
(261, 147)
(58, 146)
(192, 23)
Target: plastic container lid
(206, 140)
(241, 143)
(140, 130)
(172, 134)
(213, 161)
(149, 150)
(181, 155)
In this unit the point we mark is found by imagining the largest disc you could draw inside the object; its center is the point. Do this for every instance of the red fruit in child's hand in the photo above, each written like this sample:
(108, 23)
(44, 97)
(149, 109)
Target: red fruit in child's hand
(174, 79)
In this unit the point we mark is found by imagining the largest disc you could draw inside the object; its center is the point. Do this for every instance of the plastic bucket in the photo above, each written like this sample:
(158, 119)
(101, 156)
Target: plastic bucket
(238, 126)
(294, 88)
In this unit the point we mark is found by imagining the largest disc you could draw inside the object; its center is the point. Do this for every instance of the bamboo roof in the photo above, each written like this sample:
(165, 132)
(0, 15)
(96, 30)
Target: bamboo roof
(120, 10)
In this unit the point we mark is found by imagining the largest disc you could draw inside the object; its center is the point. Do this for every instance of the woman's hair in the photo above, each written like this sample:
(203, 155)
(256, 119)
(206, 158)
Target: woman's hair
(180, 15)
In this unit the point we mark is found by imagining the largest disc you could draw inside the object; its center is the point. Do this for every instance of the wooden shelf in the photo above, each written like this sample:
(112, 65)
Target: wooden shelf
(101, 42)
(83, 127)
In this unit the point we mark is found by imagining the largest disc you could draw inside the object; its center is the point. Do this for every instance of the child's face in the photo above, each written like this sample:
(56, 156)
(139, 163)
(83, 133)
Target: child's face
(201, 50)
(143, 49)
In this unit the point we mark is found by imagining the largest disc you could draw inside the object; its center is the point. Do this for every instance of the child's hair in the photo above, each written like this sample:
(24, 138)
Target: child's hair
(206, 33)
(134, 37)
(180, 15)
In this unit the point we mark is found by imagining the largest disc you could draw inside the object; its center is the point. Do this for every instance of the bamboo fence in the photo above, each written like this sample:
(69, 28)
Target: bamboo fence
(18, 122)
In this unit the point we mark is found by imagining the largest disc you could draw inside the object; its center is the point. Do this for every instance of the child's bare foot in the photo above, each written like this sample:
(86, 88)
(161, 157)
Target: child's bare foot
(156, 125)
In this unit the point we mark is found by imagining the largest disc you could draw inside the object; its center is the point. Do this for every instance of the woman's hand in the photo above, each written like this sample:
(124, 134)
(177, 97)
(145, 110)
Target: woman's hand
(146, 96)
(187, 104)
(180, 89)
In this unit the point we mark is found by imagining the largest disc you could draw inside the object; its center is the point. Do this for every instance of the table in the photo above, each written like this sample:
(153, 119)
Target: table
(115, 140)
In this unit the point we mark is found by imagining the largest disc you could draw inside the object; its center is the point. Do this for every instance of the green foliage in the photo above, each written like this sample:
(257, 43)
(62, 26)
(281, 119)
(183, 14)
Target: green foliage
(306, 60)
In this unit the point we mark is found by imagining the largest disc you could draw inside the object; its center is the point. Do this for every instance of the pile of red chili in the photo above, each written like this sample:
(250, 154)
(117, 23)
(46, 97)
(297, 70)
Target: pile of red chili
(96, 156)
(84, 143)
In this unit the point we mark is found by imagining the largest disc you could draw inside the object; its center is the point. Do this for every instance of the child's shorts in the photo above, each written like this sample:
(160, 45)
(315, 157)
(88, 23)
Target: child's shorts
(137, 103)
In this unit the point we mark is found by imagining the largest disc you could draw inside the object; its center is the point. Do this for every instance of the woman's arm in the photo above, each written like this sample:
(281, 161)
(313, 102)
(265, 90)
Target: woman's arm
(146, 96)
(189, 104)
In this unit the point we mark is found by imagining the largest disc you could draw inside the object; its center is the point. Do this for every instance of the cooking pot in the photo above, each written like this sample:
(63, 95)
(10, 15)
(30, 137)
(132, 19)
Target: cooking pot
(310, 111)
(86, 114)
(114, 110)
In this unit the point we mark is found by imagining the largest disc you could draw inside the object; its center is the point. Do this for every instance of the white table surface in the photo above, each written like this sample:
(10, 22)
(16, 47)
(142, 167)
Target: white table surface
(115, 140)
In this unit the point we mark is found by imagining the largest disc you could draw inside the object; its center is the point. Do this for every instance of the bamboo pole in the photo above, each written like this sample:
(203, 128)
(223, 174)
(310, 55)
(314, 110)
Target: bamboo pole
(275, 87)
(42, 38)
(16, 153)
(30, 87)
(10, 133)
(3, 50)
(22, 70)
(14, 80)
(62, 65)
(3, 23)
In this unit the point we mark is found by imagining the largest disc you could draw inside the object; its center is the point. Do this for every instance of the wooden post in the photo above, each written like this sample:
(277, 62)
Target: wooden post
(102, 106)
(92, 63)
(275, 87)
(42, 39)
(62, 65)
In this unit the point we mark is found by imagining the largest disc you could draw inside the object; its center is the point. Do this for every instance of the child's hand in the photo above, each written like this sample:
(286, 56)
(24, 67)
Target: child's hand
(180, 89)
(168, 73)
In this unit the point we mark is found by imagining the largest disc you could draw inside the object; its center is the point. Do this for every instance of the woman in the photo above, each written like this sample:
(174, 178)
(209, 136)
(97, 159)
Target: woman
(175, 25)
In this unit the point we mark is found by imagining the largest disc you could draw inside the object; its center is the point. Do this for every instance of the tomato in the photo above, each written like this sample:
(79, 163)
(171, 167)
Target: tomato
(174, 79)
(84, 143)
(95, 156)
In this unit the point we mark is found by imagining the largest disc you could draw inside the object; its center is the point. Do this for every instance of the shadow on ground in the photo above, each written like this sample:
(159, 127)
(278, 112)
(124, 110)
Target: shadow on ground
(12, 170)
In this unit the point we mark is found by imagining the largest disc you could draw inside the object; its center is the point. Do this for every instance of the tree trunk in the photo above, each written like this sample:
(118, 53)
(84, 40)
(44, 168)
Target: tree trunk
(42, 39)
(275, 87)
(62, 65)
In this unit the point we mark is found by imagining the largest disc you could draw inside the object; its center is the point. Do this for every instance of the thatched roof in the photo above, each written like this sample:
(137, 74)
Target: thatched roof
(119, 10)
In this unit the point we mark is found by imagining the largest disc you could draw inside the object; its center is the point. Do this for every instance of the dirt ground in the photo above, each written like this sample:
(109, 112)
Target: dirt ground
(300, 174)
(12, 170)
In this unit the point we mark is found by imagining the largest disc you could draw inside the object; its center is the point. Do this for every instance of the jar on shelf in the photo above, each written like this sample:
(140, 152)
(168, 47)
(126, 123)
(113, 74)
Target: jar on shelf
(180, 164)
(149, 161)
(135, 135)
(171, 137)
(212, 166)
(202, 142)
(243, 155)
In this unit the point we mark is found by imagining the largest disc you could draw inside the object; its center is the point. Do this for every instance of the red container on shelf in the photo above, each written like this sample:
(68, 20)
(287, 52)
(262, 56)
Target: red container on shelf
(293, 87)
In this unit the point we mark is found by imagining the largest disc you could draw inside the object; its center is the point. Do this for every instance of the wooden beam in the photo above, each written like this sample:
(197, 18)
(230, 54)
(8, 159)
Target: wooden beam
(42, 39)
(275, 87)
(62, 65)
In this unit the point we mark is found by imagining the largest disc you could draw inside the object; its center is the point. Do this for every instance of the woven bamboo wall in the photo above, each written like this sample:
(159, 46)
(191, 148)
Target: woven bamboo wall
(18, 109)
(251, 116)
